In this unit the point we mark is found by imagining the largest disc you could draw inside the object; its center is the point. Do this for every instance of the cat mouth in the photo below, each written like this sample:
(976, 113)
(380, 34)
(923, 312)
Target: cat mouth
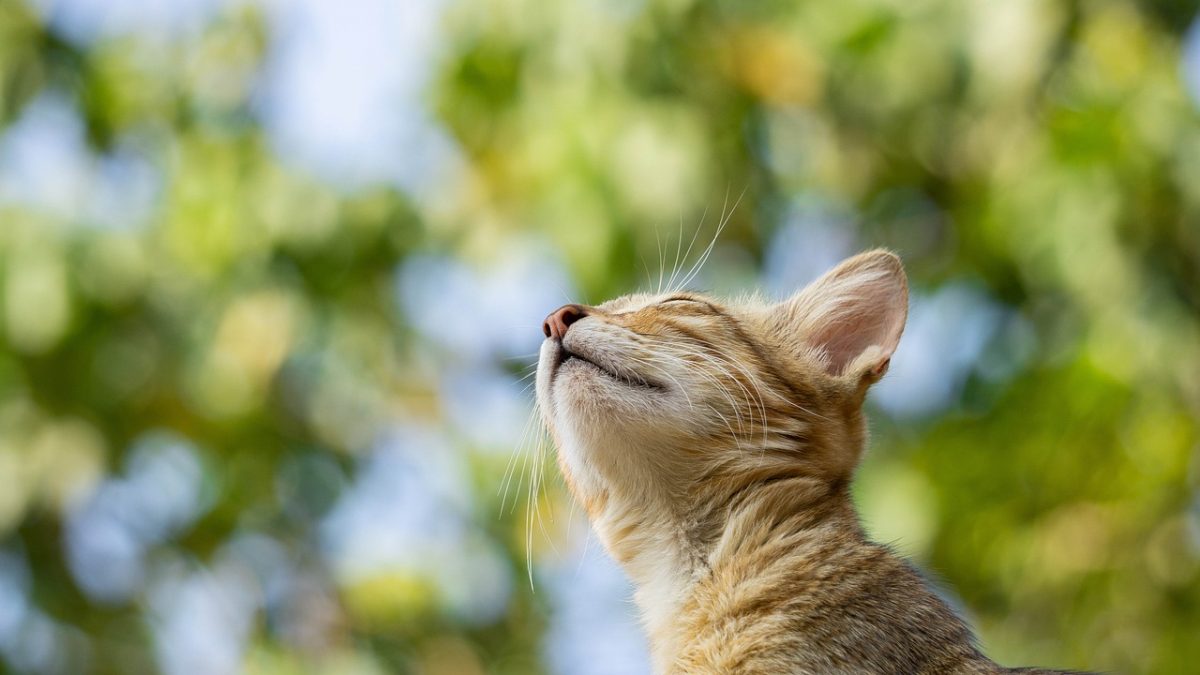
(574, 359)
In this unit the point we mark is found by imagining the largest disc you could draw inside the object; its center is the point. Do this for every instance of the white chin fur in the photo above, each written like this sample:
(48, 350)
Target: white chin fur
(589, 410)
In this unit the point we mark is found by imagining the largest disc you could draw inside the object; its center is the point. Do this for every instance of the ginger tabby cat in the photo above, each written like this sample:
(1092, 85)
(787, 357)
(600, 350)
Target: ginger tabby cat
(712, 445)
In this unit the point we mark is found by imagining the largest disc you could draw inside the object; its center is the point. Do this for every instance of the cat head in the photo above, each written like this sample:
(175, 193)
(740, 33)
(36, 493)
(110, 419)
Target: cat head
(677, 401)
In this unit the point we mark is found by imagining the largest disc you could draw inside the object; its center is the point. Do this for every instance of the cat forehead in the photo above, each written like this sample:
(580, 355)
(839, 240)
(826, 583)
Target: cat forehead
(745, 304)
(636, 301)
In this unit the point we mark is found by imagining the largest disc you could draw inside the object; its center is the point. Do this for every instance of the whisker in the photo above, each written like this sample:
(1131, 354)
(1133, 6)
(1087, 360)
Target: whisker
(755, 400)
(587, 537)
(721, 388)
(725, 218)
(661, 262)
(522, 357)
(519, 450)
(671, 286)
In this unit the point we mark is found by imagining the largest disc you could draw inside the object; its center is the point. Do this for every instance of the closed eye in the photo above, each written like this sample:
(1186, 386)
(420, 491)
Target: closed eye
(688, 305)
(678, 300)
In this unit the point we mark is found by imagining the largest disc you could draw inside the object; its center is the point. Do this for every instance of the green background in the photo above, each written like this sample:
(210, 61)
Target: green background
(219, 351)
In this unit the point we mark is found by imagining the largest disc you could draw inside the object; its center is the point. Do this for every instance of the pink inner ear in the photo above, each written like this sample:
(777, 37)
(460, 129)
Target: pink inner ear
(859, 328)
(859, 305)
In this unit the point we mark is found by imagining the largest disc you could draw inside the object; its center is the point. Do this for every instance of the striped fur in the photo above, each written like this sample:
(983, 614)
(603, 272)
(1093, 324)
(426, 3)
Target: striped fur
(712, 445)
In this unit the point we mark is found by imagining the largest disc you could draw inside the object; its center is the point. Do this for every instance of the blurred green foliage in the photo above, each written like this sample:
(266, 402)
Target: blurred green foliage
(1046, 152)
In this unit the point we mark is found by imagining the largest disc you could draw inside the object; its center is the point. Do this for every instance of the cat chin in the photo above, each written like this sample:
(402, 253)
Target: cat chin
(580, 376)
(598, 408)
(591, 396)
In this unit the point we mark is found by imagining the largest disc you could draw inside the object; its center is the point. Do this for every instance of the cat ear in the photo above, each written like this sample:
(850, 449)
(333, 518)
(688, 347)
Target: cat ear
(853, 315)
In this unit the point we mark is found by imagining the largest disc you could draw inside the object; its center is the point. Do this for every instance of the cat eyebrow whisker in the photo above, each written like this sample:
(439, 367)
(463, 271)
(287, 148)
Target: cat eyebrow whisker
(725, 218)
(661, 261)
(671, 287)
(646, 269)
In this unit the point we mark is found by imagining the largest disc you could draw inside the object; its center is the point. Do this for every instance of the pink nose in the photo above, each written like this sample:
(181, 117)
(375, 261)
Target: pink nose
(560, 319)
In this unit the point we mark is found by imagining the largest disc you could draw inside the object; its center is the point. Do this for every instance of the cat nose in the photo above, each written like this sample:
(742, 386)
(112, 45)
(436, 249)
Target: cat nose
(560, 319)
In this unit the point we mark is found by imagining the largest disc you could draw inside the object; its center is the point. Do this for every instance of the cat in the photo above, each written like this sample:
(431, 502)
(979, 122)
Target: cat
(712, 445)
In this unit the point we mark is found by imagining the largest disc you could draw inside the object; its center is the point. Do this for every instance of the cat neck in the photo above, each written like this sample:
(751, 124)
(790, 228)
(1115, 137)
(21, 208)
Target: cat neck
(666, 558)
(654, 552)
